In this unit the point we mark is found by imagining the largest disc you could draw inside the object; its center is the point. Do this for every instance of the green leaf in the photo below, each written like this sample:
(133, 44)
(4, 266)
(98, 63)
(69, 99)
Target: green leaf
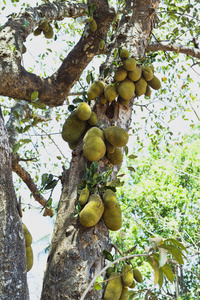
(175, 242)
(115, 53)
(34, 95)
(38, 105)
(107, 255)
(162, 257)
(132, 169)
(115, 183)
(77, 100)
(176, 253)
(126, 150)
(98, 280)
(49, 203)
(71, 107)
(160, 281)
(16, 148)
(168, 272)
(92, 8)
(59, 157)
(88, 78)
(132, 156)
(105, 73)
(51, 184)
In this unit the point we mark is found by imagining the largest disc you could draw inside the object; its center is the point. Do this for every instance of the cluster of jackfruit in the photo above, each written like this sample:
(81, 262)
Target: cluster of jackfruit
(95, 208)
(117, 288)
(44, 27)
(129, 78)
(76, 124)
(29, 250)
(97, 143)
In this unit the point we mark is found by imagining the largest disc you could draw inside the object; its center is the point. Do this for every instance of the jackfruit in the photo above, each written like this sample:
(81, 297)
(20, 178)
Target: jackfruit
(137, 275)
(109, 147)
(117, 136)
(133, 285)
(135, 74)
(147, 73)
(93, 25)
(152, 68)
(83, 111)
(124, 53)
(155, 83)
(122, 101)
(44, 25)
(37, 32)
(109, 271)
(73, 128)
(124, 295)
(49, 34)
(129, 64)
(23, 49)
(113, 288)
(95, 90)
(27, 235)
(120, 74)
(92, 133)
(84, 195)
(94, 148)
(109, 198)
(110, 92)
(116, 157)
(73, 145)
(103, 99)
(140, 87)
(92, 121)
(92, 211)
(101, 44)
(148, 91)
(29, 258)
(126, 89)
(127, 277)
(112, 217)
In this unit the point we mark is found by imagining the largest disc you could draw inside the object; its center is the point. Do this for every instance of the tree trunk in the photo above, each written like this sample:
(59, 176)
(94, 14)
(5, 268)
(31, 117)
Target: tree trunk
(13, 281)
(76, 252)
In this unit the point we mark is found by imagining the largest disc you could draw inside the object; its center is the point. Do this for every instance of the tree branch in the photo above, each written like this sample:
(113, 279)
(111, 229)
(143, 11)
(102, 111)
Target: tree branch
(164, 46)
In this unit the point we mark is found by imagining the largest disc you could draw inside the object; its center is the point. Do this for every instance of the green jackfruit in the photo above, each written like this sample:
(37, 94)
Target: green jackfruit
(135, 74)
(113, 288)
(95, 90)
(92, 121)
(29, 258)
(124, 53)
(124, 295)
(84, 195)
(92, 211)
(120, 74)
(129, 64)
(110, 92)
(137, 275)
(127, 277)
(147, 73)
(24, 49)
(148, 91)
(44, 25)
(122, 101)
(73, 128)
(140, 87)
(93, 25)
(37, 32)
(93, 133)
(27, 235)
(109, 147)
(73, 145)
(109, 271)
(49, 34)
(83, 111)
(155, 83)
(109, 198)
(117, 136)
(112, 217)
(126, 89)
(133, 285)
(116, 157)
(103, 99)
(101, 44)
(94, 149)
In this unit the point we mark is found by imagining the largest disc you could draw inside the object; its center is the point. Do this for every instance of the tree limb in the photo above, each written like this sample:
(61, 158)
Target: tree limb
(165, 46)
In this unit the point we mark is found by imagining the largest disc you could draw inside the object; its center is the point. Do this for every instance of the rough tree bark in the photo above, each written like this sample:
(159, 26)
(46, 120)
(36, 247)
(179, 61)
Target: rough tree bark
(76, 252)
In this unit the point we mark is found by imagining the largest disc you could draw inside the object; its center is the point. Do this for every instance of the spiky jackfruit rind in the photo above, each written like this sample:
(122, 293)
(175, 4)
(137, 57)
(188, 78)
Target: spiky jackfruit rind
(155, 83)
(135, 74)
(84, 195)
(92, 211)
(137, 275)
(49, 34)
(73, 128)
(93, 25)
(103, 99)
(116, 157)
(148, 91)
(126, 89)
(127, 277)
(124, 53)
(133, 284)
(37, 31)
(29, 258)
(116, 135)
(109, 198)
(122, 101)
(113, 288)
(110, 92)
(44, 25)
(129, 64)
(120, 74)
(95, 90)
(94, 149)
(27, 236)
(92, 121)
(140, 87)
(147, 73)
(73, 145)
(109, 271)
(112, 217)
(83, 111)
(124, 295)
(109, 147)
(92, 133)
